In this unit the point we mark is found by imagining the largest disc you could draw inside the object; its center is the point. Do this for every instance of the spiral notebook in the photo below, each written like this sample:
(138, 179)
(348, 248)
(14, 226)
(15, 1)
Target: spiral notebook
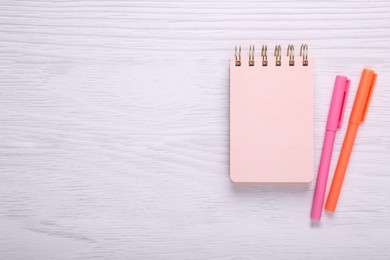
(271, 116)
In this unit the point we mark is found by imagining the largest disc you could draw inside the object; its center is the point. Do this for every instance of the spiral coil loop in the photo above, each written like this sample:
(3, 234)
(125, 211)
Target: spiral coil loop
(290, 54)
(278, 55)
(238, 56)
(264, 55)
(304, 53)
(251, 55)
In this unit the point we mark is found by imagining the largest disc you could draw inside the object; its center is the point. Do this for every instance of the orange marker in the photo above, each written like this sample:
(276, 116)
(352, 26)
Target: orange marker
(358, 114)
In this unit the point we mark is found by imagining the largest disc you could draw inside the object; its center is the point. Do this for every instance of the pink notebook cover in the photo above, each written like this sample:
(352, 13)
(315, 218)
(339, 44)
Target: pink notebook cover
(271, 122)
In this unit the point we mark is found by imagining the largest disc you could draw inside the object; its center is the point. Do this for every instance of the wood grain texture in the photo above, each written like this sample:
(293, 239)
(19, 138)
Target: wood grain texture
(114, 131)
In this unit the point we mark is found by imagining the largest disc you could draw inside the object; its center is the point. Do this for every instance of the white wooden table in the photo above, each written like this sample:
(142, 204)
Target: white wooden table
(114, 131)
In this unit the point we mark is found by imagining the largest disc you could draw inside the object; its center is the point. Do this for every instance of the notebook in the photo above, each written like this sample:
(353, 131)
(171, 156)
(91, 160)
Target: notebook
(271, 116)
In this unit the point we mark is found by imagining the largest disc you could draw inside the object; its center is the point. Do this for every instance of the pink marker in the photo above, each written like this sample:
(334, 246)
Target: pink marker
(335, 118)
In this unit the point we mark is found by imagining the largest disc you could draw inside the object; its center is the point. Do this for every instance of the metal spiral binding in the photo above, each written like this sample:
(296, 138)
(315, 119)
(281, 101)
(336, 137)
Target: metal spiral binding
(303, 53)
(290, 54)
(264, 55)
(238, 57)
(251, 55)
(278, 55)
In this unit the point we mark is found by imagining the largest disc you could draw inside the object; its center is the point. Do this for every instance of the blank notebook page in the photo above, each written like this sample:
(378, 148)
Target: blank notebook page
(271, 122)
